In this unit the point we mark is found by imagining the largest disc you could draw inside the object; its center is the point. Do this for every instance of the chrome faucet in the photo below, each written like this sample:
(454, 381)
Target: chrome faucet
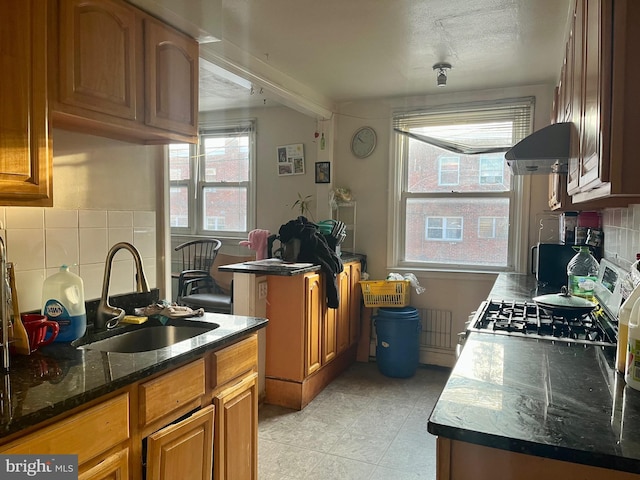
(108, 316)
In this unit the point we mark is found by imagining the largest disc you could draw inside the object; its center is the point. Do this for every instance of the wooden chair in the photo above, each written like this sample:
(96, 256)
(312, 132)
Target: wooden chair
(220, 299)
(197, 257)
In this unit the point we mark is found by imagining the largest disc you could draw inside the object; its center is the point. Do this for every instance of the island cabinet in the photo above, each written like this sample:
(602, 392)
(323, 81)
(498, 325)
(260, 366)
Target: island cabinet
(117, 72)
(307, 343)
(467, 461)
(598, 94)
(26, 156)
(196, 421)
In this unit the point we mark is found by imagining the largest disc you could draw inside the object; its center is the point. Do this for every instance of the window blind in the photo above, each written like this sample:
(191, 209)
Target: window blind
(469, 129)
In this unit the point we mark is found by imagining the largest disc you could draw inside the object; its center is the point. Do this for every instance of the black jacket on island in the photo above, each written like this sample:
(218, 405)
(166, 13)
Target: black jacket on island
(315, 249)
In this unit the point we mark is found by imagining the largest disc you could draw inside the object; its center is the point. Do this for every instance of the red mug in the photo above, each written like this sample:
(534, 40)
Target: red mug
(37, 327)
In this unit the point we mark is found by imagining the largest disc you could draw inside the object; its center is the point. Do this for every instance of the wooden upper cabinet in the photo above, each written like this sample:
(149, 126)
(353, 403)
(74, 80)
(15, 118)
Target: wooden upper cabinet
(603, 167)
(97, 67)
(26, 160)
(171, 79)
(117, 72)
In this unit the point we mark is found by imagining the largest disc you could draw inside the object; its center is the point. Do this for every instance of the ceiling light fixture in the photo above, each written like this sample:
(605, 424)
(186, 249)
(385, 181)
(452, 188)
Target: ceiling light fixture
(441, 73)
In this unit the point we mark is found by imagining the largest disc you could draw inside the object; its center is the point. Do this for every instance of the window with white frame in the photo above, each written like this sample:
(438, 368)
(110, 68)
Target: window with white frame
(493, 227)
(485, 198)
(491, 169)
(448, 170)
(211, 184)
(444, 228)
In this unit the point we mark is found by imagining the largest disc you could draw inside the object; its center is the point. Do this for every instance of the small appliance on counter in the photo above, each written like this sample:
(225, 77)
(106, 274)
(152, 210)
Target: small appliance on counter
(549, 264)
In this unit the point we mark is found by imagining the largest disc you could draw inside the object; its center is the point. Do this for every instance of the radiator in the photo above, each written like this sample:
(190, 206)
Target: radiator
(436, 328)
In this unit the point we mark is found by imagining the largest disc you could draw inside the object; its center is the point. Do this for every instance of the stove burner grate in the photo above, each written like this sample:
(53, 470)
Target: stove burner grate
(527, 319)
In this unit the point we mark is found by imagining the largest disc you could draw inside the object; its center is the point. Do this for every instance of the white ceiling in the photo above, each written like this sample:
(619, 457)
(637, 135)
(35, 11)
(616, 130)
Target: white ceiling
(333, 51)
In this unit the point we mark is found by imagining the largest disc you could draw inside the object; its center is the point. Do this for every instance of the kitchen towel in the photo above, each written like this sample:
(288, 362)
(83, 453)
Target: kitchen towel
(258, 242)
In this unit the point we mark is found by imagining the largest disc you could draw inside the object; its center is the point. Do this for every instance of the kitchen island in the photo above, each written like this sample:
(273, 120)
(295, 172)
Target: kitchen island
(525, 408)
(307, 344)
(115, 410)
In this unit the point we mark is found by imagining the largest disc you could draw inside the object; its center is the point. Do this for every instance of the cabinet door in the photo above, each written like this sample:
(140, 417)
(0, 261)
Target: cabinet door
(114, 467)
(575, 94)
(329, 335)
(183, 450)
(97, 57)
(26, 161)
(355, 301)
(343, 310)
(314, 309)
(171, 79)
(236, 432)
(595, 158)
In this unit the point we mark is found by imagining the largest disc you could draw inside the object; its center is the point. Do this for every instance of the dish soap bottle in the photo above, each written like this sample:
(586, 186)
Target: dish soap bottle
(582, 272)
(624, 315)
(63, 302)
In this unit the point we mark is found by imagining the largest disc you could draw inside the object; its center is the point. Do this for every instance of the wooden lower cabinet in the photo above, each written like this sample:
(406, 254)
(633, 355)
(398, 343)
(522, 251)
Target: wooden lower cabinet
(183, 450)
(199, 421)
(308, 344)
(113, 467)
(236, 439)
(458, 460)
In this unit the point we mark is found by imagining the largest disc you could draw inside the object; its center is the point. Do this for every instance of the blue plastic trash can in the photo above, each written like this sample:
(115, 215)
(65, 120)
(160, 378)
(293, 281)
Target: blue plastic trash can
(398, 341)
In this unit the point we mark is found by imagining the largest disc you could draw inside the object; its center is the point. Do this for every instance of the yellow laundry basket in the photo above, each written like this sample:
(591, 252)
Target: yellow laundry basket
(385, 293)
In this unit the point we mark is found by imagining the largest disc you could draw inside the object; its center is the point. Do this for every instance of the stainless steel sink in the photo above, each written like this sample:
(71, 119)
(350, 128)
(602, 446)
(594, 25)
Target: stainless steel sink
(149, 338)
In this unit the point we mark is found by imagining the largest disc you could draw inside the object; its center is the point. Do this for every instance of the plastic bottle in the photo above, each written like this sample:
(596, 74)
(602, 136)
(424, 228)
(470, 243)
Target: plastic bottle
(632, 371)
(63, 302)
(626, 310)
(582, 272)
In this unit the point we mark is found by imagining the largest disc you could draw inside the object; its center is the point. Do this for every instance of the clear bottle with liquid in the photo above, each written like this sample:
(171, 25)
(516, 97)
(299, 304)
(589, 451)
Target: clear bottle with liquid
(632, 370)
(582, 272)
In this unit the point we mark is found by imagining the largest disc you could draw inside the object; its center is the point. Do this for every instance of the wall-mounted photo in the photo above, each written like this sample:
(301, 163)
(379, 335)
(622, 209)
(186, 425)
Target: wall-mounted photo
(323, 172)
(291, 159)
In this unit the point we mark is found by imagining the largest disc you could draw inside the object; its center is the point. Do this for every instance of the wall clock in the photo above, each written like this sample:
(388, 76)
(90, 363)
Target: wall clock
(363, 142)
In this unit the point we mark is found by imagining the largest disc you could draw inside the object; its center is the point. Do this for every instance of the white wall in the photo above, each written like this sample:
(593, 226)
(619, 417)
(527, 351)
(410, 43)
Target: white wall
(277, 126)
(368, 179)
(104, 192)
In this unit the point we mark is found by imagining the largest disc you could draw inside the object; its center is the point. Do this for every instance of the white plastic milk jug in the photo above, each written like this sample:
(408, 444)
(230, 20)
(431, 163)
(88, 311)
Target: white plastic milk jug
(63, 302)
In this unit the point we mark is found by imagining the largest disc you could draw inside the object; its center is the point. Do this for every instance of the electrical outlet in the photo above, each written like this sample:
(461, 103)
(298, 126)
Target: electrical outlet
(262, 290)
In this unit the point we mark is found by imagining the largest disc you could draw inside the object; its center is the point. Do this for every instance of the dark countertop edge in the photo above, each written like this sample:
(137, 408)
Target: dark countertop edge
(570, 455)
(33, 419)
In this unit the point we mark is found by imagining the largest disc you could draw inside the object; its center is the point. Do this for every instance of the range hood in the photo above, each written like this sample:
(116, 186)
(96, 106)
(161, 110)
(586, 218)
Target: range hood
(543, 152)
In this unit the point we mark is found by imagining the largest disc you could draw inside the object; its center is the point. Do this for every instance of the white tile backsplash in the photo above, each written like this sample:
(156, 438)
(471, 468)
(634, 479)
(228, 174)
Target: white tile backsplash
(39, 240)
(92, 219)
(144, 219)
(120, 234)
(122, 276)
(621, 228)
(92, 275)
(93, 245)
(59, 218)
(145, 241)
(25, 248)
(61, 247)
(120, 219)
(24, 217)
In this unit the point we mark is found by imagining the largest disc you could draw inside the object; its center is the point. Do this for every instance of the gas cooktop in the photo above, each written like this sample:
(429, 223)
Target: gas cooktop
(526, 319)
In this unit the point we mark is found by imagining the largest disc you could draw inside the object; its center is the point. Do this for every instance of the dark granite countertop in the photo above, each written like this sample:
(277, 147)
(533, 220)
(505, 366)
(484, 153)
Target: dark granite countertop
(274, 266)
(549, 399)
(59, 377)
